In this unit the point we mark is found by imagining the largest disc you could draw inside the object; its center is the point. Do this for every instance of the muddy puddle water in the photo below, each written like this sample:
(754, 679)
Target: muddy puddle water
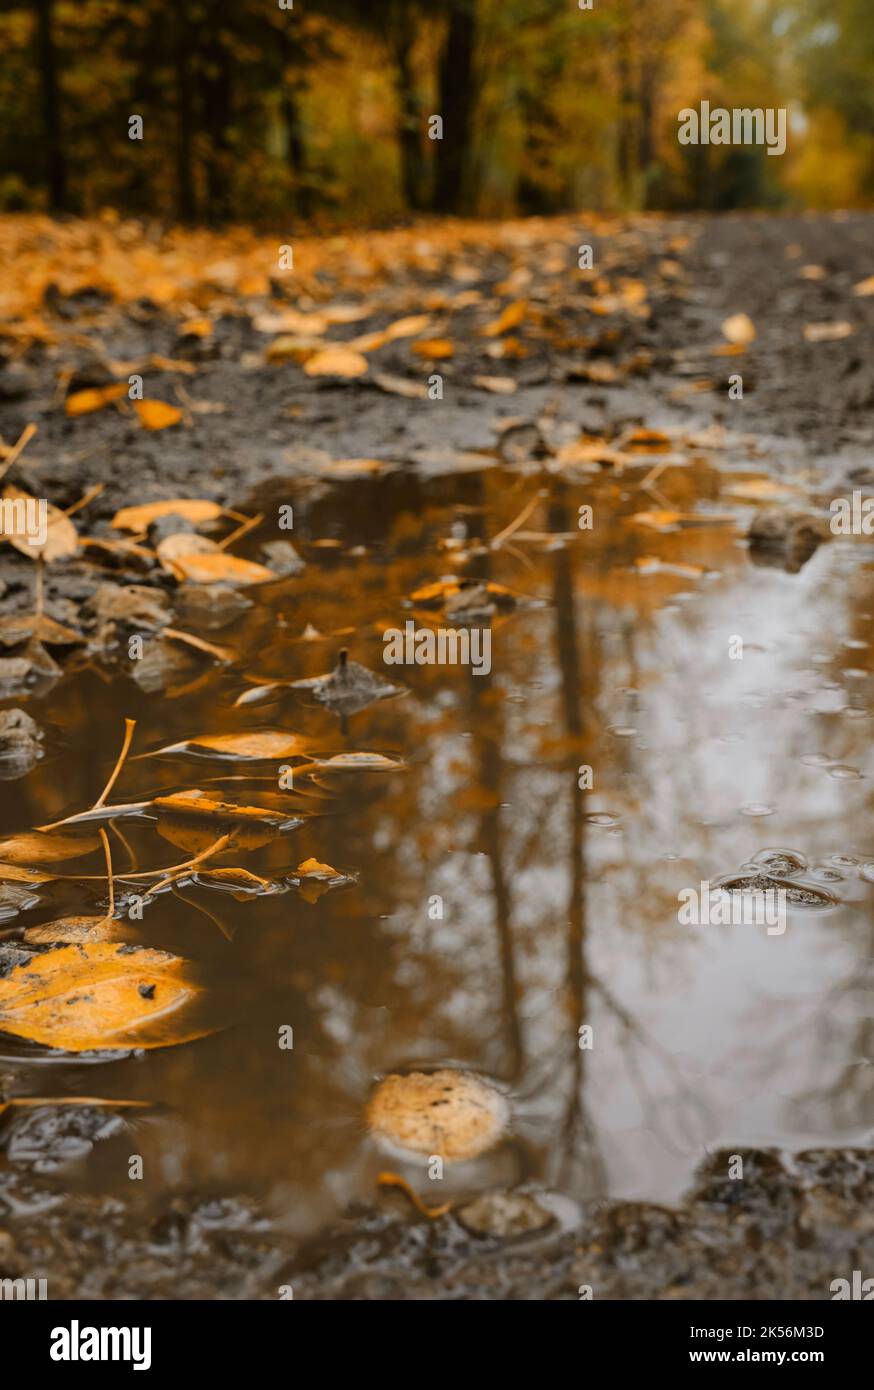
(509, 912)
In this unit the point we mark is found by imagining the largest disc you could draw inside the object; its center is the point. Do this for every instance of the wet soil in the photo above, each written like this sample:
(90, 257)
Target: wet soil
(562, 909)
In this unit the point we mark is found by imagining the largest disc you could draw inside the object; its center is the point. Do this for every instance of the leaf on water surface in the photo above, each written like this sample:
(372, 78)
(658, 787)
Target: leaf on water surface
(864, 287)
(37, 1102)
(73, 930)
(259, 745)
(99, 995)
(34, 847)
(240, 882)
(350, 687)
(198, 803)
(157, 415)
(315, 879)
(762, 489)
(13, 873)
(364, 762)
(86, 402)
(666, 520)
(61, 539)
(739, 329)
(199, 644)
(201, 561)
(452, 1113)
(193, 509)
(336, 361)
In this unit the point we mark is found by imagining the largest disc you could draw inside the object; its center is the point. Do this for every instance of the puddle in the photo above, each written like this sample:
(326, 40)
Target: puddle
(497, 882)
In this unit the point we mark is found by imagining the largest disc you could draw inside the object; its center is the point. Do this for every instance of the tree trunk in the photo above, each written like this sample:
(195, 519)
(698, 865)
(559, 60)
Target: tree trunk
(216, 94)
(186, 200)
(409, 112)
(56, 168)
(456, 107)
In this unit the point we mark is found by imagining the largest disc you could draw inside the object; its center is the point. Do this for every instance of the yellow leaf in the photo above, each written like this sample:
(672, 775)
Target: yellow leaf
(193, 509)
(451, 1113)
(739, 328)
(20, 510)
(336, 361)
(71, 930)
(157, 415)
(827, 332)
(511, 317)
(261, 745)
(99, 995)
(34, 847)
(408, 327)
(86, 402)
(864, 287)
(436, 348)
(312, 866)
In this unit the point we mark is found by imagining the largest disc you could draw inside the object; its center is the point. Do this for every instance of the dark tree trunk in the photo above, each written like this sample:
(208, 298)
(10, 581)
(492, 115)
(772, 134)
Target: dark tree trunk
(216, 95)
(409, 112)
(186, 200)
(56, 169)
(456, 107)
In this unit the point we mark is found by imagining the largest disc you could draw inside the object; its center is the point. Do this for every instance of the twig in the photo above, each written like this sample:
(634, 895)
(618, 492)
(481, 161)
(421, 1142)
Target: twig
(18, 448)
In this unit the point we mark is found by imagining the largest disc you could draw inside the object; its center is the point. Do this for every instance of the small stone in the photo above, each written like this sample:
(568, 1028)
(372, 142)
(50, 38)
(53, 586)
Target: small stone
(504, 1214)
(20, 743)
(282, 558)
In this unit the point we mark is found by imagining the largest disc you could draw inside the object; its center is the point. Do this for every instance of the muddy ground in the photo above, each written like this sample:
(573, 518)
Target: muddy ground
(798, 1220)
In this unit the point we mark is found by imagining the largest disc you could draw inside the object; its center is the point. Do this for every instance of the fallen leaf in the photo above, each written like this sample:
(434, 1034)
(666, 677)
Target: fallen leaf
(336, 361)
(451, 1113)
(864, 287)
(739, 328)
(61, 538)
(263, 745)
(99, 995)
(510, 317)
(437, 349)
(354, 762)
(193, 509)
(828, 332)
(71, 930)
(498, 385)
(400, 386)
(34, 847)
(86, 402)
(157, 415)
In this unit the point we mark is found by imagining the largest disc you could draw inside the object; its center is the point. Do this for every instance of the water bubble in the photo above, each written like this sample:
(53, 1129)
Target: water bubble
(842, 772)
(622, 730)
(601, 818)
(815, 759)
(758, 808)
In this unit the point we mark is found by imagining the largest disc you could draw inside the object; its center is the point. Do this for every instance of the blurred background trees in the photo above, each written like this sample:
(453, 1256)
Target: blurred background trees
(252, 111)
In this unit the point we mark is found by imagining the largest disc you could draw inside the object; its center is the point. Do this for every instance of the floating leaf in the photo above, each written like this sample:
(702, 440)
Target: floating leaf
(261, 745)
(201, 561)
(72, 930)
(350, 687)
(451, 1113)
(34, 847)
(193, 509)
(99, 995)
(366, 762)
